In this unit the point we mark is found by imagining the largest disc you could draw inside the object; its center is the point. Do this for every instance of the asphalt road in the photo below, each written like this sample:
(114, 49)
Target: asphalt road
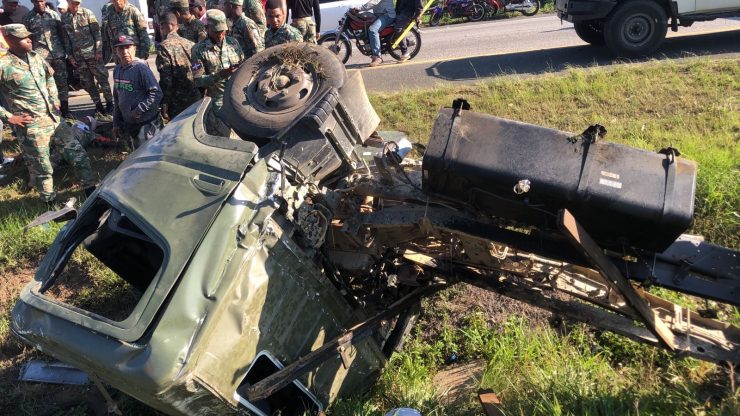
(470, 52)
(529, 45)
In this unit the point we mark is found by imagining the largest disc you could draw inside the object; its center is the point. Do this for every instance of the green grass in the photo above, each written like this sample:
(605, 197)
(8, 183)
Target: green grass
(694, 106)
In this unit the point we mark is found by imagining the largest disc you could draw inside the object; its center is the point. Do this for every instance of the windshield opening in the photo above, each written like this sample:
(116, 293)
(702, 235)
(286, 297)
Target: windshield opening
(107, 266)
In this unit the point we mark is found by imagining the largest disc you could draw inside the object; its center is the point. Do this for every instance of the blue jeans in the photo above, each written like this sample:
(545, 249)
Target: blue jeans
(382, 21)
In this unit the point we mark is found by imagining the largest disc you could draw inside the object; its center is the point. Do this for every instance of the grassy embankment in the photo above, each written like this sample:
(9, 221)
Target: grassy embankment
(693, 106)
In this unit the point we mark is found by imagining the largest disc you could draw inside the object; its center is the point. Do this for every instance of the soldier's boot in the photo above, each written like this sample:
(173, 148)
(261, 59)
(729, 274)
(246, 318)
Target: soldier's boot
(65, 110)
(109, 107)
(99, 108)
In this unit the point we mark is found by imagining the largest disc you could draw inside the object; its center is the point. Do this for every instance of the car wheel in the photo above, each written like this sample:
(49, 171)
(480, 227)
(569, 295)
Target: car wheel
(636, 28)
(590, 31)
(274, 87)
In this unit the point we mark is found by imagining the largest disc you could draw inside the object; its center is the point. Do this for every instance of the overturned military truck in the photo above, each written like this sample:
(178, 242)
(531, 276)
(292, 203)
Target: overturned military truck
(278, 269)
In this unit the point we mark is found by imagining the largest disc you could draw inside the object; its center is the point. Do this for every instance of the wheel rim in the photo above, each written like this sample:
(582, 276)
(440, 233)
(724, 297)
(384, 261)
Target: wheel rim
(282, 88)
(638, 29)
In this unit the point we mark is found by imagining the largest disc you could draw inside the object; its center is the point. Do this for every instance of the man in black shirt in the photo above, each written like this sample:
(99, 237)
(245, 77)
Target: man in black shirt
(300, 13)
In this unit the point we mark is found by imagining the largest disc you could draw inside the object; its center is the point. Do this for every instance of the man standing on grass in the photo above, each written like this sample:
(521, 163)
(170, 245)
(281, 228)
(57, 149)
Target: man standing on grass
(123, 19)
(214, 61)
(278, 32)
(28, 88)
(82, 32)
(174, 66)
(47, 35)
(190, 27)
(300, 15)
(137, 95)
(243, 29)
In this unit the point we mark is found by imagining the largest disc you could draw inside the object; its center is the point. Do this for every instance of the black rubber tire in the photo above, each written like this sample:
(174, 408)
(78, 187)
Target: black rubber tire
(345, 47)
(251, 121)
(636, 28)
(532, 11)
(435, 19)
(590, 31)
(477, 12)
(415, 36)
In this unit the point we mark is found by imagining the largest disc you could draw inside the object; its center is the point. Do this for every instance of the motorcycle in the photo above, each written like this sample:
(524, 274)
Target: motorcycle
(471, 9)
(354, 26)
(526, 7)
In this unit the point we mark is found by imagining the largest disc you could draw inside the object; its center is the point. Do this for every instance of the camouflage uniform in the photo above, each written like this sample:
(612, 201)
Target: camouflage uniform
(246, 32)
(208, 60)
(175, 75)
(285, 34)
(254, 10)
(83, 39)
(107, 49)
(307, 27)
(47, 36)
(28, 87)
(194, 30)
(129, 22)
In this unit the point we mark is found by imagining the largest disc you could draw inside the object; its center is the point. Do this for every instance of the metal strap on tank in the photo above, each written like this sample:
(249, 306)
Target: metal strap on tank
(589, 137)
(670, 180)
(457, 106)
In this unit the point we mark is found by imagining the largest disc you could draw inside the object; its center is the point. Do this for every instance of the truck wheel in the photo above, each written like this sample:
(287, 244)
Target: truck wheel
(275, 86)
(636, 28)
(590, 31)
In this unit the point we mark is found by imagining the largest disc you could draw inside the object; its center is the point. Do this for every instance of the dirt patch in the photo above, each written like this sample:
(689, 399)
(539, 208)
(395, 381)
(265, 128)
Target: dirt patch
(12, 285)
(456, 303)
(457, 383)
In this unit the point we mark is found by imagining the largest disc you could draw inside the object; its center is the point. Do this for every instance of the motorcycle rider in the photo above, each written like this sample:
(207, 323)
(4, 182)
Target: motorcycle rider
(385, 13)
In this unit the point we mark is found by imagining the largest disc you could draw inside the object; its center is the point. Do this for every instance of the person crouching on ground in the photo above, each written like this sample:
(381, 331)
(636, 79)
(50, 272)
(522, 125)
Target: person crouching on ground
(277, 31)
(136, 94)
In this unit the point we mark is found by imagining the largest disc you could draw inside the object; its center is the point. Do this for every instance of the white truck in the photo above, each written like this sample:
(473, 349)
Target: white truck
(633, 28)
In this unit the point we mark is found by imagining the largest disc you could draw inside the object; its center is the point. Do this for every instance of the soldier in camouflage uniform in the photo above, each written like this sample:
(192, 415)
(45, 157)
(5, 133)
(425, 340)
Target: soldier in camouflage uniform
(47, 35)
(174, 66)
(254, 10)
(123, 19)
(190, 27)
(27, 86)
(82, 34)
(278, 32)
(214, 60)
(243, 29)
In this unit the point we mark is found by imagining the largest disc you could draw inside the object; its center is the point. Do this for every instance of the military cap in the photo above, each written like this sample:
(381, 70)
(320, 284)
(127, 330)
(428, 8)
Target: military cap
(124, 40)
(176, 4)
(16, 30)
(71, 1)
(235, 2)
(216, 20)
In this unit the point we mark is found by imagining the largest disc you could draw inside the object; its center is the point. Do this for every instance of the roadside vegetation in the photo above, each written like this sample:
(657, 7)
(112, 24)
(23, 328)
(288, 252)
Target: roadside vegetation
(534, 363)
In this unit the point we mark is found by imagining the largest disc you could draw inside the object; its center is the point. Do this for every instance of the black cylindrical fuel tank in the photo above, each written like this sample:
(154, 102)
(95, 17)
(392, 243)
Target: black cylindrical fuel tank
(621, 195)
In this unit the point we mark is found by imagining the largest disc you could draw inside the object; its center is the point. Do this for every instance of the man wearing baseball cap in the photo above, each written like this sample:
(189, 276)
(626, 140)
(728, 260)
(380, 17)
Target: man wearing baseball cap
(214, 60)
(27, 86)
(136, 94)
(190, 28)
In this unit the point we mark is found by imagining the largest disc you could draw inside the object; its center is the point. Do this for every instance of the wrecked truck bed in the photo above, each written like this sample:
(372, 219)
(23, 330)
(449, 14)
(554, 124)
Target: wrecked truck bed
(278, 269)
